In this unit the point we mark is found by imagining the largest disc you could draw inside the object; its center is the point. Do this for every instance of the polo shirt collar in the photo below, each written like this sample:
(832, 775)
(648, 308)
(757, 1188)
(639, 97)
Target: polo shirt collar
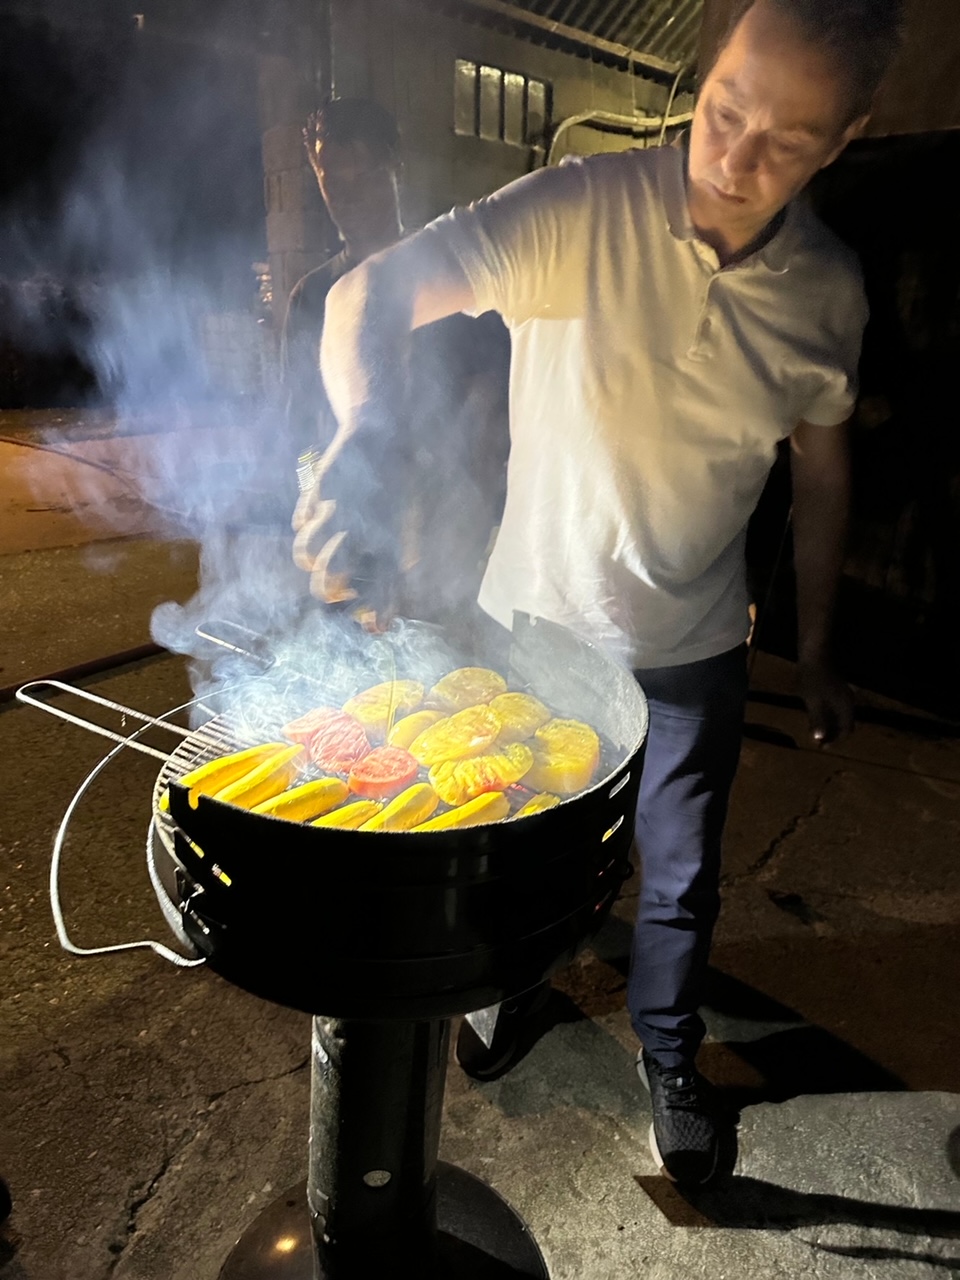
(774, 255)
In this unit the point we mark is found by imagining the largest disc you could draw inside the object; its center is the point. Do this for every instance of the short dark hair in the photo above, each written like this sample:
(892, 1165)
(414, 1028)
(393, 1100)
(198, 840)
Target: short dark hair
(863, 36)
(343, 121)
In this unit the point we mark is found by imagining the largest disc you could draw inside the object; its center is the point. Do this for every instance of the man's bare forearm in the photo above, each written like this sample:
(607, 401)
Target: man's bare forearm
(366, 336)
(821, 499)
(370, 315)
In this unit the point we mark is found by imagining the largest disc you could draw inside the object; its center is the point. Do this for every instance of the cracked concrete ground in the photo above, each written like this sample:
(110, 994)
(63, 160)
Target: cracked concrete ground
(148, 1113)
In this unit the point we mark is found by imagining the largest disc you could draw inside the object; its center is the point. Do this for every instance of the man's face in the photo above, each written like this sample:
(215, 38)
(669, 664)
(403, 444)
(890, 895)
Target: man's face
(358, 188)
(773, 110)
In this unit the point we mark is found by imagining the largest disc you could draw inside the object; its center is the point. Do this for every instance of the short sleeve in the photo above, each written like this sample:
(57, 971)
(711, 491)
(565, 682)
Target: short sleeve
(834, 399)
(518, 248)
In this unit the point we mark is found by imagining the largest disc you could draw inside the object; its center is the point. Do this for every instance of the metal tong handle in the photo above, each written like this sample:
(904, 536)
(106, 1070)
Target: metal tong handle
(217, 630)
(124, 741)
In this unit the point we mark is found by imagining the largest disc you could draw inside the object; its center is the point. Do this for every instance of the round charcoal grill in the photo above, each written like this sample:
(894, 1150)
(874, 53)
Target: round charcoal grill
(383, 937)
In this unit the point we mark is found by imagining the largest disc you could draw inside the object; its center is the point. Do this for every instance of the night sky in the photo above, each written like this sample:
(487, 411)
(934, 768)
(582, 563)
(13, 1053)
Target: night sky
(160, 123)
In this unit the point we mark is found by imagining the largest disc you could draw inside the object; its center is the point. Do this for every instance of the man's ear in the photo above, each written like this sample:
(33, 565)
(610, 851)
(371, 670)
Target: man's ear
(852, 131)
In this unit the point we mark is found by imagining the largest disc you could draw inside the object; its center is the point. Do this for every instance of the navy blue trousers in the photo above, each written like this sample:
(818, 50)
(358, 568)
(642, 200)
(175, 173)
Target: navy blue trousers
(693, 746)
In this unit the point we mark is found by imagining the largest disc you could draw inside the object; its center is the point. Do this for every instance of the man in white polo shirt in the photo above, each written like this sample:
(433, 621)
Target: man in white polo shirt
(674, 314)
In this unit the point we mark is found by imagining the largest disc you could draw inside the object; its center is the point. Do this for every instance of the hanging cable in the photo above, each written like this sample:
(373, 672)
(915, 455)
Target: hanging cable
(666, 111)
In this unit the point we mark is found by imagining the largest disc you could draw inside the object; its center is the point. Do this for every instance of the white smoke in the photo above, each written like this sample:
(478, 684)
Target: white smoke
(210, 466)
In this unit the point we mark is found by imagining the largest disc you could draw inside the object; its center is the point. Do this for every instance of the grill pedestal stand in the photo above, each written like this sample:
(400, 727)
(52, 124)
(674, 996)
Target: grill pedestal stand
(377, 1202)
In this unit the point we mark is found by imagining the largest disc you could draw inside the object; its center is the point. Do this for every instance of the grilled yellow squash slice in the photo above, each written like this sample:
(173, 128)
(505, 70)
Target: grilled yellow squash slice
(309, 800)
(216, 774)
(487, 808)
(267, 780)
(408, 809)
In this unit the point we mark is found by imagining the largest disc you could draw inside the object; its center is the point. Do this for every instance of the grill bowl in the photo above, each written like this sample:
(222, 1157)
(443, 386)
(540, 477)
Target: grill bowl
(356, 924)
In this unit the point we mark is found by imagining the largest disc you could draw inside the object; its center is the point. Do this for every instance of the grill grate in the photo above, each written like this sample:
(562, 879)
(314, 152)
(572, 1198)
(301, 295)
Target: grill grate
(217, 737)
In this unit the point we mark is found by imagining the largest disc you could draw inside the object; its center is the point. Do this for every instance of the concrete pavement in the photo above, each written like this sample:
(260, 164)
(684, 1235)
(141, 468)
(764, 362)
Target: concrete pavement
(148, 1113)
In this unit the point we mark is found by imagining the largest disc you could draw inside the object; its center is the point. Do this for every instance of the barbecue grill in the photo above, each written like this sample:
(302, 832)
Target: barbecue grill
(383, 937)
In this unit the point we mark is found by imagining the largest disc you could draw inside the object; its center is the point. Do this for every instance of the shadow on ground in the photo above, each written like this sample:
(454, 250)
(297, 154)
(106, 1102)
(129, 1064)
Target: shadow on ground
(753, 1205)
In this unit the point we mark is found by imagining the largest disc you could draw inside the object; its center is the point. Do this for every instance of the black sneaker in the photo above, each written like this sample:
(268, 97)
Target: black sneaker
(512, 1035)
(684, 1136)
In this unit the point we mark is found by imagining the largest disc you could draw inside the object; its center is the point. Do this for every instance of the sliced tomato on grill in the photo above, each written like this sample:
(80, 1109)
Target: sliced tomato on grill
(338, 743)
(302, 729)
(386, 771)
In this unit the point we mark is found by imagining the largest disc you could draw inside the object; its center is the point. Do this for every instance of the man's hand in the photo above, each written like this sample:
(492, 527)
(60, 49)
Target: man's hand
(348, 525)
(311, 141)
(820, 467)
(317, 537)
(316, 542)
(828, 699)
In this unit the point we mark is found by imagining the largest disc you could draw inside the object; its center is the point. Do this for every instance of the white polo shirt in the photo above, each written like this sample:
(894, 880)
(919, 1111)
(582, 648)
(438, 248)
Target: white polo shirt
(649, 389)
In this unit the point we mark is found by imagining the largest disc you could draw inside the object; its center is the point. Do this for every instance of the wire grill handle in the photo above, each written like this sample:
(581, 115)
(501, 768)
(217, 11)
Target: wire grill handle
(128, 740)
(182, 962)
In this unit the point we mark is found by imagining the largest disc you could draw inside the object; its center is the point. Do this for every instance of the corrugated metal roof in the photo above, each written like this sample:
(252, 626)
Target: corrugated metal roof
(667, 29)
(658, 36)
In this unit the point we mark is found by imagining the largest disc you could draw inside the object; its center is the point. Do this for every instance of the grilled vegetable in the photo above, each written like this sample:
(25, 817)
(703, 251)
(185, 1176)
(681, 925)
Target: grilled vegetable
(379, 707)
(488, 808)
(383, 772)
(338, 743)
(521, 714)
(565, 757)
(465, 734)
(466, 687)
(217, 774)
(409, 809)
(267, 780)
(406, 730)
(537, 805)
(350, 816)
(308, 800)
(303, 729)
(456, 781)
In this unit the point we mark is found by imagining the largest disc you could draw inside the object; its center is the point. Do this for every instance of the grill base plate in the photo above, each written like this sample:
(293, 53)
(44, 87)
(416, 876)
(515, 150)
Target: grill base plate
(479, 1237)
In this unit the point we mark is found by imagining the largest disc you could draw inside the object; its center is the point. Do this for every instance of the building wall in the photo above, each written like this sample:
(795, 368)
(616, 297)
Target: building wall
(403, 55)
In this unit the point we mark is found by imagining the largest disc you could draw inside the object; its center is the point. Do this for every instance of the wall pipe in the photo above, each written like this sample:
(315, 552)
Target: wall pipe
(638, 124)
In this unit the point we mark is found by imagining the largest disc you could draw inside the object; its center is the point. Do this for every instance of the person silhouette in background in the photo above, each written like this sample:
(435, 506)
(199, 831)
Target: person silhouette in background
(354, 150)
(459, 369)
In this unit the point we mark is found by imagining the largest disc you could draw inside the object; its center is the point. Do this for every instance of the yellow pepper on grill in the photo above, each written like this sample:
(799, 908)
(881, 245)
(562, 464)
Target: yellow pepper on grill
(521, 714)
(486, 808)
(408, 809)
(350, 816)
(537, 804)
(410, 727)
(456, 781)
(466, 687)
(309, 800)
(465, 734)
(267, 780)
(216, 774)
(565, 757)
(379, 706)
